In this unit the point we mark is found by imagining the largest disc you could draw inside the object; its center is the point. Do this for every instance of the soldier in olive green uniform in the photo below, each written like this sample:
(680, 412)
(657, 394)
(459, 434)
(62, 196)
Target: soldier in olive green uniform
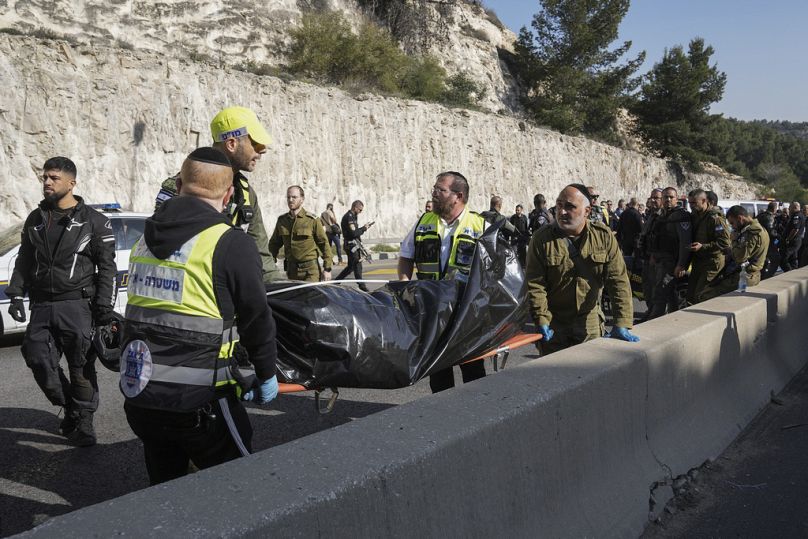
(568, 265)
(750, 244)
(303, 239)
(710, 242)
(238, 134)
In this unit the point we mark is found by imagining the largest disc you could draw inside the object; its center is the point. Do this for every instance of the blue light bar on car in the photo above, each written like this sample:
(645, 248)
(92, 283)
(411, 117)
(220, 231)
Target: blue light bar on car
(108, 206)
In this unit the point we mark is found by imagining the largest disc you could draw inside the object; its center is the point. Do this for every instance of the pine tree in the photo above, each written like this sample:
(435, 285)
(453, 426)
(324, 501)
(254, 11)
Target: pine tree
(574, 82)
(674, 103)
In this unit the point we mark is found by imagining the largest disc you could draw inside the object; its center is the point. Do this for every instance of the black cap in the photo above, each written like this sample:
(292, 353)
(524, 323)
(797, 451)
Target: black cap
(582, 188)
(207, 154)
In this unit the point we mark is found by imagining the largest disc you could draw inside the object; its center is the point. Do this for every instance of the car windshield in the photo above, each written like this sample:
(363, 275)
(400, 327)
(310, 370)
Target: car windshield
(10, 238)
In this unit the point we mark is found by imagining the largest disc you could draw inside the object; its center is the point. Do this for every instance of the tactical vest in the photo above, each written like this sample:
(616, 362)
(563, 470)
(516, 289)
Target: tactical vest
(240, 209)
(177, 347)
(428, 235)
(597, 215)
(663, 236)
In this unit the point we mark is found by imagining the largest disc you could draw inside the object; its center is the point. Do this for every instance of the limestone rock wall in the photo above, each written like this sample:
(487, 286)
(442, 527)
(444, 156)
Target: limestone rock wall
(231, 32)
(128, 118)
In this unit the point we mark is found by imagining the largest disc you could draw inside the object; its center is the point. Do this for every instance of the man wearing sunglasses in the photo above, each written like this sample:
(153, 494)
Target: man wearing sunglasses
(239, 135)
(596, 216)
(441, 246)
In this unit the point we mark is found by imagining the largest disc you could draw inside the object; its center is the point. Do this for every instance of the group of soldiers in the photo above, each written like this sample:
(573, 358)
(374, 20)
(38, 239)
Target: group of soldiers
(702, 252)
(198, 276)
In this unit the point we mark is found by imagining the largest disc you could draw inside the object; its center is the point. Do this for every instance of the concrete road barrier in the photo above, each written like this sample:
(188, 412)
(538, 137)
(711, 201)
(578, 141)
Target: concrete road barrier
(569, 445)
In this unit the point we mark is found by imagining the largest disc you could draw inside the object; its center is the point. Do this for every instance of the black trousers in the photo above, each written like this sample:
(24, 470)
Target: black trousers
(521, 252)
(789, 255)
(56, 328)
(171, 440)
(772, 263)
(664, 296)
(355, 266)
(444, 379)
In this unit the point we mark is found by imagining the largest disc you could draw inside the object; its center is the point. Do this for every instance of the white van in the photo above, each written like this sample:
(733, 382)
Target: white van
(754, 207)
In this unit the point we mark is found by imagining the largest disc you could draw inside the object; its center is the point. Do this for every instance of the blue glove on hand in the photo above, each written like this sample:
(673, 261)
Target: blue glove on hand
(264, 393)
(623, 334)
(546, 332)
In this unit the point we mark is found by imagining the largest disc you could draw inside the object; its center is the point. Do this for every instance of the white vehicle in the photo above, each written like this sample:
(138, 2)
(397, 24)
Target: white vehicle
(127, 227)
(754, 207)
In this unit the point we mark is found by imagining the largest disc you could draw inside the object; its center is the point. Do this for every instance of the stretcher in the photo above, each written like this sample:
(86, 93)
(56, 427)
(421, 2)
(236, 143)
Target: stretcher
(325, 399)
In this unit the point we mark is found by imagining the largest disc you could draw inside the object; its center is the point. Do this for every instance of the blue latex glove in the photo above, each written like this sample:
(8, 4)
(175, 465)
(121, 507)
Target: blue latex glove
(623, 334)
(546, 333)
(264, 393)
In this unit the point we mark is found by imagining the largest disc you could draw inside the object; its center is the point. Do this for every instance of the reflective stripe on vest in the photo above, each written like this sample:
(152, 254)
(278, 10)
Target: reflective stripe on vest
(187, 375)
(428, 233)
(177, 348)
(181, 321)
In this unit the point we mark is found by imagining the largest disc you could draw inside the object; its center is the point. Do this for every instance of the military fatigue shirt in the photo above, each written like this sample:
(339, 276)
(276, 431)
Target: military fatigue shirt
(564, 290)
(751, 244)
(711, 230)
(303, 239)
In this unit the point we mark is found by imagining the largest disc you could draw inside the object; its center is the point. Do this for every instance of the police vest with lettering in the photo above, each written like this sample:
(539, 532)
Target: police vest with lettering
(428, 234)
(177, 347)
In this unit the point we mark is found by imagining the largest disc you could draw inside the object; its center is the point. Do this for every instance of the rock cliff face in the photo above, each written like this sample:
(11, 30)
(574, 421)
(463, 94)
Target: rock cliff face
(128, 118)
(228, 33)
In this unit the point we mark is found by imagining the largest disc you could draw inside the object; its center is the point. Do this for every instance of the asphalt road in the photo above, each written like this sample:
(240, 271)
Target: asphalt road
(42, 476)
(758, 487)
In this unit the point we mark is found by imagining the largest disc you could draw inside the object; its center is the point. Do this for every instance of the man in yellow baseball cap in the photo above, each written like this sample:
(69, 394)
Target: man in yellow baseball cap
(238, 134)
(238, 122)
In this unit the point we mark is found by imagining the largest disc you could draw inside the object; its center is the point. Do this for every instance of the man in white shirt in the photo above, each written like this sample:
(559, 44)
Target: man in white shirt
(441, 246)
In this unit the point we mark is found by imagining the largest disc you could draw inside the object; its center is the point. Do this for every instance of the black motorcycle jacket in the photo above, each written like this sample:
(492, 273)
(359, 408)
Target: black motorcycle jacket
(80, 265)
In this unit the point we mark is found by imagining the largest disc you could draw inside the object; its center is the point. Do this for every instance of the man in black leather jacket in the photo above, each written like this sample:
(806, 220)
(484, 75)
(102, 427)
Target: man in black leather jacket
(66, 265)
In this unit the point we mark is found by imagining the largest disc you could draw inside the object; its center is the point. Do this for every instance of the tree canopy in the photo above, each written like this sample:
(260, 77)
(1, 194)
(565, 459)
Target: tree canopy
(674, 102)
(574, 79)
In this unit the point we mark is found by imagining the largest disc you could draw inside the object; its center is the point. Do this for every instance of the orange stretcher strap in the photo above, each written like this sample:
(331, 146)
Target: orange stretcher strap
(292, 388)
(514, 342)
(511, 344)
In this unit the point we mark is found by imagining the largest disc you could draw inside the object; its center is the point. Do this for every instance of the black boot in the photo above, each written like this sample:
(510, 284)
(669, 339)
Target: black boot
(69, 421)
(84, 435)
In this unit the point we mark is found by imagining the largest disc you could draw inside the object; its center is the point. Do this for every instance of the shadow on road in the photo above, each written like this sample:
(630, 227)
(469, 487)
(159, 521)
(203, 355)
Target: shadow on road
(294, 416)
(42, 476)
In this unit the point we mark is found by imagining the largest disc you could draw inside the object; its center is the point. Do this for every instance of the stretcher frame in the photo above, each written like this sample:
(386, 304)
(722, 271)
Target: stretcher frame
(325, 403)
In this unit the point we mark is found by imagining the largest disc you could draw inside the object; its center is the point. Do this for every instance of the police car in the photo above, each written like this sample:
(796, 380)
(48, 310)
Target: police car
(127, 227)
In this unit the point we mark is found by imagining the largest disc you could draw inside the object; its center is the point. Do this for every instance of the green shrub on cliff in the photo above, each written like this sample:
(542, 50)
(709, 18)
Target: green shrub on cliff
(326, 49)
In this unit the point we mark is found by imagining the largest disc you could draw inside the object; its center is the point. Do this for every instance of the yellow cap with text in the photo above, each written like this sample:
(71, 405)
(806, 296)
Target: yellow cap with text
(237, 122)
